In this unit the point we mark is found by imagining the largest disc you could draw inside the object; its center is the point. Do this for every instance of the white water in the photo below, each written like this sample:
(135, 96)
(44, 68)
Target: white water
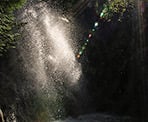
(49, 62)
(47, 47)
(96, 117)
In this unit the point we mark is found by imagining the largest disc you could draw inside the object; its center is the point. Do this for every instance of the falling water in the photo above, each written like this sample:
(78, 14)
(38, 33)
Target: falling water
(48, 44)
(47, 51)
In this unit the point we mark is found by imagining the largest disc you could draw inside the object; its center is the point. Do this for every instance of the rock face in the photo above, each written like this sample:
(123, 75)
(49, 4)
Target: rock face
(98, 118)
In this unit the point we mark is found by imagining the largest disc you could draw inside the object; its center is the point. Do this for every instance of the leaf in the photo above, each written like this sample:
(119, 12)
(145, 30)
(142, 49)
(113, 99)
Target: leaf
(8, 28)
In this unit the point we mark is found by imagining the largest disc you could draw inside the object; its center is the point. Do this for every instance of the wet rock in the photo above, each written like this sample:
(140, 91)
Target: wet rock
(98, 118)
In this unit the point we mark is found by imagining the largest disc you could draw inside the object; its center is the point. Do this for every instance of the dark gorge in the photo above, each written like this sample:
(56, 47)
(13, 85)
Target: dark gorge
(82, 62)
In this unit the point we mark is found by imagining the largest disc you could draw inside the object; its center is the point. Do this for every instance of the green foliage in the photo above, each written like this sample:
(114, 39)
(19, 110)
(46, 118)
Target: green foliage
(12, 5)
(116, 7)
(8, 26)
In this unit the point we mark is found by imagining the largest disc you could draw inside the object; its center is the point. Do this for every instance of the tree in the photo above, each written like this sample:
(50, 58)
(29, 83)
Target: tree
(116, 7)
(8, 24)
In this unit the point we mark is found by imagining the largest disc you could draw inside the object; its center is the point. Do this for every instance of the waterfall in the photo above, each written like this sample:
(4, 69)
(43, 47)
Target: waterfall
(47, 44)
(48, 55)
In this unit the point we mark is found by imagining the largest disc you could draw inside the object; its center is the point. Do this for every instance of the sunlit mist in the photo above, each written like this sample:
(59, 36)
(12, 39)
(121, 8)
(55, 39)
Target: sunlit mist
(47, 47)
